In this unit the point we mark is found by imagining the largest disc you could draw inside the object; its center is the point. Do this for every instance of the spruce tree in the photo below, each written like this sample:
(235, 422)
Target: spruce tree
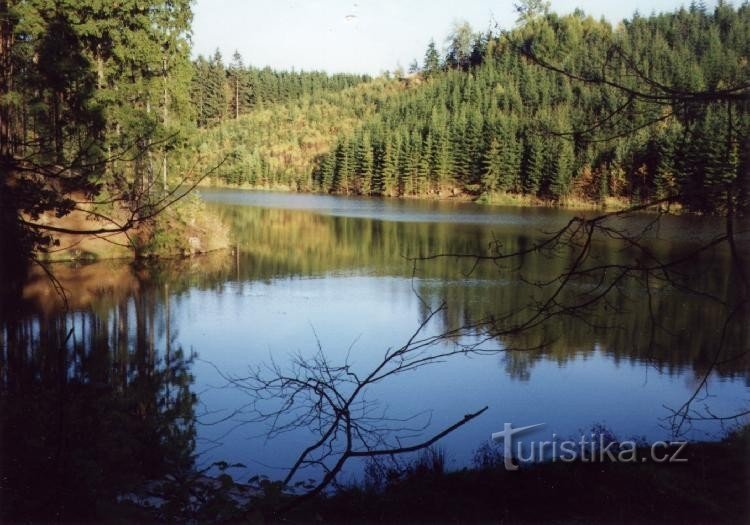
(431, 60)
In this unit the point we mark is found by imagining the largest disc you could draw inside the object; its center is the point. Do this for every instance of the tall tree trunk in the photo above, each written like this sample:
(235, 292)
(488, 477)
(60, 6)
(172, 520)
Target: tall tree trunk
(149, 159)
(165, 119)
(6, 80)
(57, 101)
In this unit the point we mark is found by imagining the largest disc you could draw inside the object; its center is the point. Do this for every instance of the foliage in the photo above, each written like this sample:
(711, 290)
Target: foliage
(185, 228)
(93, 96)
(494, 121)
(221, 93)
(276, 145)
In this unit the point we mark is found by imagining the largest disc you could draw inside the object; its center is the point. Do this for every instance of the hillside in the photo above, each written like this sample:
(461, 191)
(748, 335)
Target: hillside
(506, 116)
(509, 113)
(277, 145)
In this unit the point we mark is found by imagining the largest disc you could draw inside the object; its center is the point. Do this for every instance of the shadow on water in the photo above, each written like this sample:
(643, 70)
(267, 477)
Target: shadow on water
(90, 408)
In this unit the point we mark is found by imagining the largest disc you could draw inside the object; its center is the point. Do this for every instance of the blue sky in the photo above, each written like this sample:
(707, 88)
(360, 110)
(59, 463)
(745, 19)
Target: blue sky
(362, 36)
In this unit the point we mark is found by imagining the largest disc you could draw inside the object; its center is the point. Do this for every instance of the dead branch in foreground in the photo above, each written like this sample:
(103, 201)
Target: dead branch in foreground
(331, 400)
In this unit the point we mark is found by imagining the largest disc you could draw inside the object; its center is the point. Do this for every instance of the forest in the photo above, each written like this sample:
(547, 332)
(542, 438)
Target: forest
(489, 119)
(483, 119)
(109, 120)
(277, 145)
(314, 364)
(94, 100)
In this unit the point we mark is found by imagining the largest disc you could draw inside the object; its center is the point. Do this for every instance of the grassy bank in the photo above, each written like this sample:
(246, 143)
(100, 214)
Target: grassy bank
(569, 202)
(185, 228)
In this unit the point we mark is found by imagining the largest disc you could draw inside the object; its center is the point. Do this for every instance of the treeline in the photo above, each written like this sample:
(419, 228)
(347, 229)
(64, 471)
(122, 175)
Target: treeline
(487, 119)
(220, 92)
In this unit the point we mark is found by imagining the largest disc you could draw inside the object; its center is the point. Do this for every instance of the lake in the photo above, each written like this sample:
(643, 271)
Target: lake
(158, 340)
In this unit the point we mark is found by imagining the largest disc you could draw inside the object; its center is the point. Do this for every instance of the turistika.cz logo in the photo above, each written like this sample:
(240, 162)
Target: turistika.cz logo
(596, 447)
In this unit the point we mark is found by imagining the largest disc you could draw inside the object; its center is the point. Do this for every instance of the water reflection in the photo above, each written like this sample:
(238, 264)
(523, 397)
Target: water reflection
(293, 243)
(90, 416)
(90, 407)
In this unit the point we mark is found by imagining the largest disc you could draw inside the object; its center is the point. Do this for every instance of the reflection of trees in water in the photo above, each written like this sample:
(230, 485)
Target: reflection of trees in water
(619, 327)
(90, 408)
(95, 415)
(277, 243)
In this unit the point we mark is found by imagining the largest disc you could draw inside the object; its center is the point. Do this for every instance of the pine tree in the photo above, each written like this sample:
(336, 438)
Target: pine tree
(343, 182)
(365, 165)
(532, 164)
(377, 186)
(563, 170)
(510, 158)
(199, 91)
(390, 166)
(473, 146)
(493, 169)
(326, 173)
(237, 79)
(216, 101)
(431, 60)
(424, 167)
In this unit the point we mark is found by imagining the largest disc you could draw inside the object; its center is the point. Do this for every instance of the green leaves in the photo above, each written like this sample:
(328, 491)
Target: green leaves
(493, 121)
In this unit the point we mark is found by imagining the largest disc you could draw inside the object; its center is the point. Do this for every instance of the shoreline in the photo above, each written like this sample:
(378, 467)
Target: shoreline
(425, 489)
(495, 199)
(87, 249)
(181, 231)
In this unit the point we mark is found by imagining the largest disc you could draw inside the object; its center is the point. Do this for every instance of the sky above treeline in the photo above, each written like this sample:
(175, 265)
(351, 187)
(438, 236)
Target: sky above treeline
(364, 36)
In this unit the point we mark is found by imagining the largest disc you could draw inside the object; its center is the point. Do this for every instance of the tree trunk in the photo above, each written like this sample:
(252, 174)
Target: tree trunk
(6, 79)
(165, 120)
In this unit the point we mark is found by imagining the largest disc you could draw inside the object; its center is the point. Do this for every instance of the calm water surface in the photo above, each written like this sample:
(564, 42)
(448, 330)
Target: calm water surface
(311, 268)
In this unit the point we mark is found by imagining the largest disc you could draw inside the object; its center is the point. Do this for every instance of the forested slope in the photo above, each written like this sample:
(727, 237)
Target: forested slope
(488, 118)
(276, 142)
(491, 120)
(222, 92)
